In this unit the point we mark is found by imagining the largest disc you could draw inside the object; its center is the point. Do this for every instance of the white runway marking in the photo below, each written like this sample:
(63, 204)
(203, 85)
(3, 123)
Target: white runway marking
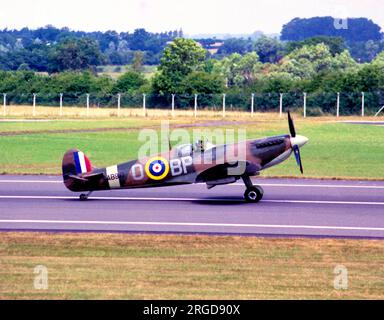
(277, 185)
(192, 224)
(191, 199)
(31, 181)
(340, 186)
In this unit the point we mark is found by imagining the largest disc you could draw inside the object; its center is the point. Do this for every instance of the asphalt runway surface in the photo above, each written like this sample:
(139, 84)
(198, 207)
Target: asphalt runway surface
(314, 208)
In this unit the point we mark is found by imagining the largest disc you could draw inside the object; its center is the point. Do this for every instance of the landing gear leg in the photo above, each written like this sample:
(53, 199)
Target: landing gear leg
(84, 197)
(252, 193)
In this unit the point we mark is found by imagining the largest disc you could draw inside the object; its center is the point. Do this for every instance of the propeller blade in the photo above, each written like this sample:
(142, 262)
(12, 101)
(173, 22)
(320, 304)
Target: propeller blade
(291, 125)
(296, 150)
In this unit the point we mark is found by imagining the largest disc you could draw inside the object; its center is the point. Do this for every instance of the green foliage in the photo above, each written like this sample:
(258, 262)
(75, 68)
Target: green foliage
(235, 45)
(75, 54)
(33, 47)
(129, 82)
(269, 49)
(336, 45)
(239, 70)
(180, 58)
(359, 29)
(208, 86)
(200, 82)
(137, 63)
(317, 66)
(307, 61)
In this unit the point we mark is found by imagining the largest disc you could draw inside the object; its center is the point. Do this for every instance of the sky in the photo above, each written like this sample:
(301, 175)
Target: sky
(193, 16)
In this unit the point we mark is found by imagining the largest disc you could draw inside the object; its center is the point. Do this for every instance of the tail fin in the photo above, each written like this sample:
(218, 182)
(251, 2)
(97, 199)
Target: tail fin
(75, 163)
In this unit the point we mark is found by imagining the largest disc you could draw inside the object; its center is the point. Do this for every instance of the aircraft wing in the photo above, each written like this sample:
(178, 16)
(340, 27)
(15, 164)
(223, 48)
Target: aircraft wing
(227, 173)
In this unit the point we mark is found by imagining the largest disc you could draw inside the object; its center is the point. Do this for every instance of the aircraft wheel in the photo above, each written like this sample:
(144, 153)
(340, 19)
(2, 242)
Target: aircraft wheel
(83, 197)
(253, 194)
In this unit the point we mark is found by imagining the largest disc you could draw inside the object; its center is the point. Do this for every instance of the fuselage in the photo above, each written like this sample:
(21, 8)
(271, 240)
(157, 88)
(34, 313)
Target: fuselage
(219, 164)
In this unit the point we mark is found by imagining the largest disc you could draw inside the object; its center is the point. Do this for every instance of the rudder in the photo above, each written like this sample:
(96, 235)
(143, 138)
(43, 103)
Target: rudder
(75, 163)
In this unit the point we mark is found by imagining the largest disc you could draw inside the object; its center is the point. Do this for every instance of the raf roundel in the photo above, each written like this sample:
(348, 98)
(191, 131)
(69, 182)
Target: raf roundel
(157, 168)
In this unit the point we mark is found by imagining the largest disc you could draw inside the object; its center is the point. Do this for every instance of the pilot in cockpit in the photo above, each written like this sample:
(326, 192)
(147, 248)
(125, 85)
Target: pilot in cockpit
(199, 146)
(203, 145)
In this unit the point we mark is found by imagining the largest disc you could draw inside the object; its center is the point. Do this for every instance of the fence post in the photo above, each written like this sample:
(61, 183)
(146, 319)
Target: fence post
(362, 104)
(224, 97)
(173, 105)
(118, 104)
(338, 105)
(252, 105)
(305, 105)
(195, 105)
(34, 105)
(61, 104)
(145, 105)
(4, 104)
(281, 105)
(88, 104)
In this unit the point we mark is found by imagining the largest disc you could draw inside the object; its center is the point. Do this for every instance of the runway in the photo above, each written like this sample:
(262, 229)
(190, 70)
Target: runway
(314, 208)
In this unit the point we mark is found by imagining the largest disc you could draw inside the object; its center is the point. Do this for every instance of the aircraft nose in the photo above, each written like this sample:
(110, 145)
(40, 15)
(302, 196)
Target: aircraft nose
(299, 141)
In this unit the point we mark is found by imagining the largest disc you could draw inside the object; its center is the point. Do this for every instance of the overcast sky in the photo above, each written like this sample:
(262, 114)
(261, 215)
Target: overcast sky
(193, 16)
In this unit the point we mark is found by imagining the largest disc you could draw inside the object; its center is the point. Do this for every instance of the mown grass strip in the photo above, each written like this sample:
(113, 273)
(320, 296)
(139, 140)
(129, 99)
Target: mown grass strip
(121, 266)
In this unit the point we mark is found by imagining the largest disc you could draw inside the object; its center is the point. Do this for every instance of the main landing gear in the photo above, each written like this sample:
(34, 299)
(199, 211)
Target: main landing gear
(84, 197)
(252, 193)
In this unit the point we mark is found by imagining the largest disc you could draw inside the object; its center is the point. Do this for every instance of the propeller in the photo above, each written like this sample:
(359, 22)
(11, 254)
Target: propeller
(296, 150)
(297, 141)
(292, 129)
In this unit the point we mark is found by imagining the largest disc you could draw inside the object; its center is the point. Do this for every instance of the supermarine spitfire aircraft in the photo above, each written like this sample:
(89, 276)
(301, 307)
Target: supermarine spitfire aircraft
(186, 164)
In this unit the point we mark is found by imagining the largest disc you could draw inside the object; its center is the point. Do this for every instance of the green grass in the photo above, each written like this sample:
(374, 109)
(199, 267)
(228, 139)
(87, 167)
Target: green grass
(335, 150)
(121, 266)
(54, 125)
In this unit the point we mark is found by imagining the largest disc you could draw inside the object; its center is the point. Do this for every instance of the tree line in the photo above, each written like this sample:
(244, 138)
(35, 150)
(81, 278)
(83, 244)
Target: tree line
(320, 65)
(50, 49)
(186, 70)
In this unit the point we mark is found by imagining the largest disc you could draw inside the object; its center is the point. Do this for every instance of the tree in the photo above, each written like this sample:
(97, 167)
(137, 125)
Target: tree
(137, 63)
(208, 86)
(359, 29)
(307, 61)
(180, 58)
(200, 82)
(344, 62)
(239, 70)
(335, 44)
(129, 82)
(76, 54)
(269, 49)
(379, 60)
(372, 48)
(235, 45)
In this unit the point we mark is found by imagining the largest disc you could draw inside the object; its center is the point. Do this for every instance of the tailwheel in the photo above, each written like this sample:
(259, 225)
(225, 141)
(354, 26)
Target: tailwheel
(253, 194)
(84, 197)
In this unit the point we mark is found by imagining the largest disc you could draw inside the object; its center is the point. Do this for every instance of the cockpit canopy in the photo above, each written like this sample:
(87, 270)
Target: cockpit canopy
(188, 149)
(184, 150)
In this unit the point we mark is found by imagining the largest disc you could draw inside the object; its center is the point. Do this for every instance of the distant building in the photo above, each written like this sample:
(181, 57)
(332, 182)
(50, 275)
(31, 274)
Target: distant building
(214, 48)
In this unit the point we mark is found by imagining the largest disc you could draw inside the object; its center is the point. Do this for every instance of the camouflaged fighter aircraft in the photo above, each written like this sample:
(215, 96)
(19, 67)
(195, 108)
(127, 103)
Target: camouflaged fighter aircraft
(187, 164)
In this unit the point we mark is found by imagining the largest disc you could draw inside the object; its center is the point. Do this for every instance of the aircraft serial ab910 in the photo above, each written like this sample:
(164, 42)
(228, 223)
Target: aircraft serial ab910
(186, 164)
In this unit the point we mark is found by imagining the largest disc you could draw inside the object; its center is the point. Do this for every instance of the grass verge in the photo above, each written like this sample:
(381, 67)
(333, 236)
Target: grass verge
(121, 266)
(335, 150)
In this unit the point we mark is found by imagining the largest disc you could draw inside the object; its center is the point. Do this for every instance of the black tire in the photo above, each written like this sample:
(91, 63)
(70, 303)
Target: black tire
(83, 197)
(253, 194)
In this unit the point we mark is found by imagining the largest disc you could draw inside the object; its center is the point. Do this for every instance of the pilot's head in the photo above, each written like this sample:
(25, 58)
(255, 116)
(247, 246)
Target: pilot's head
(199, 145)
